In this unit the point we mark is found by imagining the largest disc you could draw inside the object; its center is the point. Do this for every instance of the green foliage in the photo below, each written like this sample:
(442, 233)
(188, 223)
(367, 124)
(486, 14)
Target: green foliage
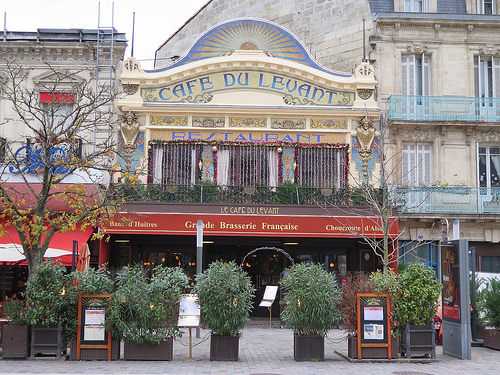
(144, 311)
(419, 293)
(15, 310)
(49, 298)
(414, 292)
(490, 303)
(93, 281)
(312, 299)
(225, 293)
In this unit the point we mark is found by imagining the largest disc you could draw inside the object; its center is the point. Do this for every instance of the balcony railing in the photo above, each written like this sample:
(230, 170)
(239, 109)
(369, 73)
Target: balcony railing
(444, 108)
(447, 200)
(212, 194)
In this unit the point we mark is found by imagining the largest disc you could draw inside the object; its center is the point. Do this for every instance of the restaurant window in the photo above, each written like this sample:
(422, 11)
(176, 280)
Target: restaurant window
(489, 264)
(247, 165)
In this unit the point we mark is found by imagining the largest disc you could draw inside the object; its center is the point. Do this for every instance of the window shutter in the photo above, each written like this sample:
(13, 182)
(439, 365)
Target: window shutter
(407, 165)
(426, 84)
(404, 75)
(496, 77)
(412, 73)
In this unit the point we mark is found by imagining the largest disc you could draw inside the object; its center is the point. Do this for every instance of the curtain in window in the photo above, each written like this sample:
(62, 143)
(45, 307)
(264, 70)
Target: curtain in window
(157, 164)
(417, 164)
(272, 158)
(248, 165)
(323, 167)
(175, 164)
(288, 165)
(207, 164)
(222, 167)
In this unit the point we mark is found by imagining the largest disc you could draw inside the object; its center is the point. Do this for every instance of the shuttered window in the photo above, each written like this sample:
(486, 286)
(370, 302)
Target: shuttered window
(417, 164)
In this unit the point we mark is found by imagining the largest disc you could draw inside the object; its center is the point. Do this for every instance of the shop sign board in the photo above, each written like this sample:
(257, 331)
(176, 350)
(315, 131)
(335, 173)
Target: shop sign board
(201, 88)
(373, 322)
(91, 332)
(249, 225)
(189, 311)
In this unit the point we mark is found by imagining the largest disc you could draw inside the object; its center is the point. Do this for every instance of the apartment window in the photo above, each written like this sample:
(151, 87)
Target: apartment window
(487, 77)
(489, 167)
(417, 164)
(58, 107)
(486, 6)
(416, 75)
(415, 6)
(489, 264)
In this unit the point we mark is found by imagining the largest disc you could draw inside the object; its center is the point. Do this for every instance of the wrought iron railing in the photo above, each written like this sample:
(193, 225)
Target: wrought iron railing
(444, 108)
(212, 194)
(448, 200)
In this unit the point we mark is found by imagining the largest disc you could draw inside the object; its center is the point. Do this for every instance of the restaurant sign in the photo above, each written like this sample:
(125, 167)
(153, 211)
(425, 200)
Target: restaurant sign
(202, 88)
(248, 225)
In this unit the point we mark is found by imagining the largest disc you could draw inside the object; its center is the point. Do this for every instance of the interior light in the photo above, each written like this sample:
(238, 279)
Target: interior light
(208, 242)
(290, 243)
(122, 241)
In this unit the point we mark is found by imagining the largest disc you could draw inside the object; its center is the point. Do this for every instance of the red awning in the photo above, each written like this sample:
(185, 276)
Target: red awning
(60, 247)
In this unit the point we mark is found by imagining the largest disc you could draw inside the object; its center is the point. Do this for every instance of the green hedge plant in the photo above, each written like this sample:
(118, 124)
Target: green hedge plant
(144, 310)
(312, 300)
(225, 293)
(490, 304)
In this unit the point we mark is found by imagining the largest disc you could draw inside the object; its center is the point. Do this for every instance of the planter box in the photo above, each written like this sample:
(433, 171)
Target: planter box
(96, 354)
(308, 348)
(224, 348)
(492, 338)
(149, 352)
(15, 341)
(47, 342)
(371, 353)
(418, 341)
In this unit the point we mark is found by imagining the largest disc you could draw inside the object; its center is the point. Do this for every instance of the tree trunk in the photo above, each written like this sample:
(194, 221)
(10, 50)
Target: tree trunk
(34, 258)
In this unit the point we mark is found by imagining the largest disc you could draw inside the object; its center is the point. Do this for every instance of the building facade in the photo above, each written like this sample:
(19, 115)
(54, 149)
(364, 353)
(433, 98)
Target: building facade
(50, 62)
(437, 67)
(248, 133)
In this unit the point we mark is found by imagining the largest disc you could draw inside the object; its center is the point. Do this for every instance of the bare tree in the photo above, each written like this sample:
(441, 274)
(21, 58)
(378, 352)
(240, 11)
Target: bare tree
(65, 136)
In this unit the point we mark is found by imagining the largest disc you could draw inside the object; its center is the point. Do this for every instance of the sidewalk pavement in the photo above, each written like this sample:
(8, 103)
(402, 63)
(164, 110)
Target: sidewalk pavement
(262, 352)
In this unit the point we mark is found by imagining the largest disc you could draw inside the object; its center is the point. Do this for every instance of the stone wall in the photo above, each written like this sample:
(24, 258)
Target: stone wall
(331, 30)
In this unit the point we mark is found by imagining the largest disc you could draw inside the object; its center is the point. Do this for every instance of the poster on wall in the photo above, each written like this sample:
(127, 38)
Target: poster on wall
(94, 328)
(373, 332)
(451, 283)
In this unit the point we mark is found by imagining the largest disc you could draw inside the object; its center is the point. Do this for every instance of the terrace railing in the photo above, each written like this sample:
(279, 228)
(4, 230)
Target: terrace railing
(448, 200)
(444, 108)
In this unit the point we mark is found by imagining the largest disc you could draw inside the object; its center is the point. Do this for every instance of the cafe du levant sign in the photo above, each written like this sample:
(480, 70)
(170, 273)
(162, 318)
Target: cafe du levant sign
(202, 88)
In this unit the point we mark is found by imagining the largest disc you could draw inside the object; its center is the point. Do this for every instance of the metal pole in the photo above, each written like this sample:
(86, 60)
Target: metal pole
(199, 256)
(74, 255)
(133, 34)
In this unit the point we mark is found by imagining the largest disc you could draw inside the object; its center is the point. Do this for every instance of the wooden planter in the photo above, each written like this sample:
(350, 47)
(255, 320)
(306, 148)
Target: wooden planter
(371, 353)
(224, 348)
(15, 341)
(492, 338)
(308, 348)
(418, 341)
(47, 342)
(149, 352)
(96, 354)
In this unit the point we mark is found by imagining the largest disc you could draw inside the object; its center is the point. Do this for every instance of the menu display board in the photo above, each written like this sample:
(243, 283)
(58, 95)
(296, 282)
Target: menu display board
(189, 311)
(94, 319)
(451, 282)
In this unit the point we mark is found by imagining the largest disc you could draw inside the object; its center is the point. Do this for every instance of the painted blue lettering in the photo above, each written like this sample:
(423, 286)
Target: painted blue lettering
(194, 136)
(178, 136)
(277, 83)
(301, 138)
(331, 96)
(305, 90)
(287, 138)
(205, 83)
(164, 93)
(262, 80)
(240, 138)
(321, 94)
(229, 79)
(270, 137)
(179, 88)
(318, 137)
(243, 79)
(226, 136)
(251, 138)
(190, 85)
(211, 136)
(291, 85)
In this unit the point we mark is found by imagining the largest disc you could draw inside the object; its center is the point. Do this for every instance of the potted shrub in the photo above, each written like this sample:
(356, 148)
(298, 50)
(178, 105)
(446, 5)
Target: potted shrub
(416, 307)
(92, 281)
(15, 334)
(312, 299)
(49, 309)
(490, 306)
(225, 293)
(144, 311)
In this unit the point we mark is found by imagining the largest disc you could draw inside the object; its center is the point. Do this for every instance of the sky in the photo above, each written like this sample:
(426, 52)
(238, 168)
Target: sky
(155, 20)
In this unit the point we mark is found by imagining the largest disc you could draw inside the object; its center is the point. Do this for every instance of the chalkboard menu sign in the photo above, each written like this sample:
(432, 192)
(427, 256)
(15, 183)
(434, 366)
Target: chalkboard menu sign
(373, 318)
(91, 332)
